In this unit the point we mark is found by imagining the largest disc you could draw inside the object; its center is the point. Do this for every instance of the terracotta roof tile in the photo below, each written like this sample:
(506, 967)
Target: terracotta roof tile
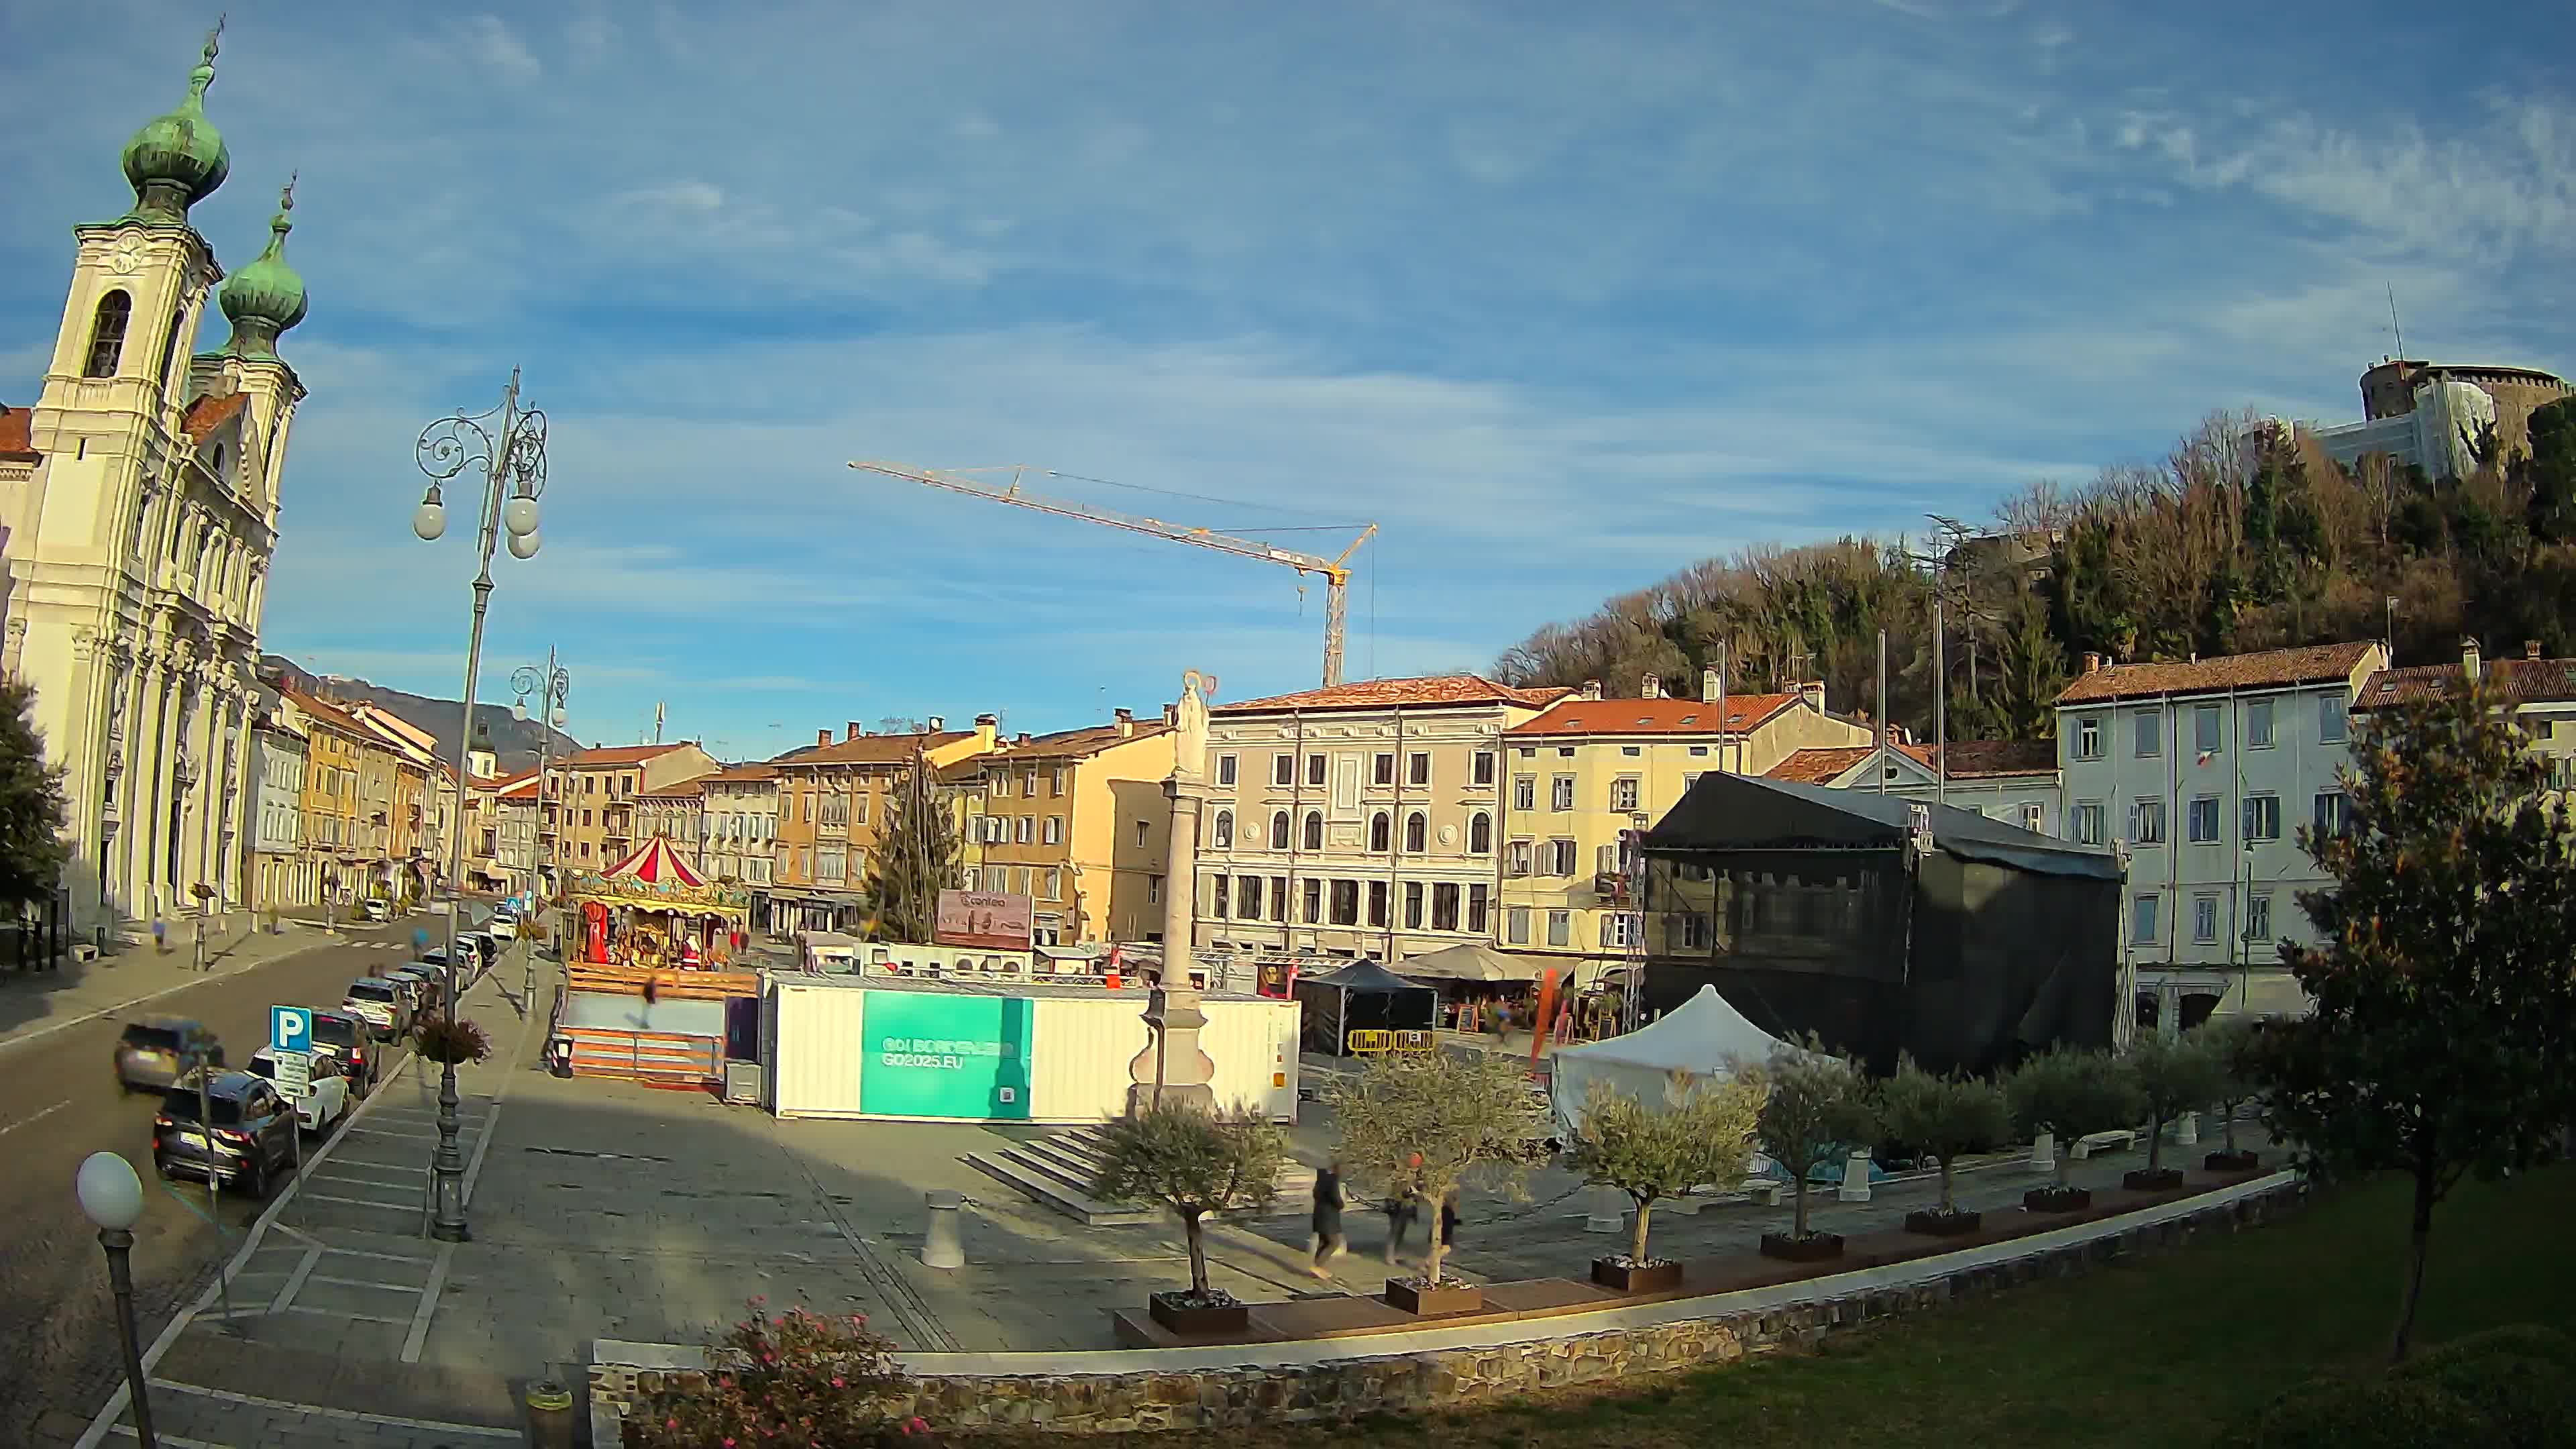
(613, 755)
(1434, 689)
(2273, 668)
(1818, 766)
(17, 443)
(744, 774)
(1073, 744)
(872, 749)
(2528, 681)
(678, 790)
(209, 413)
(1653, 716)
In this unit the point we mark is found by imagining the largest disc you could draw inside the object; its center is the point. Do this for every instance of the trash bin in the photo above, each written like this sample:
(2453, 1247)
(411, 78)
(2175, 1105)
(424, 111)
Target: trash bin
(549, 1415)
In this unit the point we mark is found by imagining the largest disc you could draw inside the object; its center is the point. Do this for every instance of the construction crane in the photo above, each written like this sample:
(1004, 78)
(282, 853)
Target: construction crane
(1335, 570)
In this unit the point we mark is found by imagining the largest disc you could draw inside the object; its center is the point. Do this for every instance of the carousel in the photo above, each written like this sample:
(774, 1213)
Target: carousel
(652, 912)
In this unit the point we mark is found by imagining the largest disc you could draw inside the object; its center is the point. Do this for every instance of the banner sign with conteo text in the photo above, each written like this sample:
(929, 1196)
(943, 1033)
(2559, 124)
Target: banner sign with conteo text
(945, 1056)
(984, 920)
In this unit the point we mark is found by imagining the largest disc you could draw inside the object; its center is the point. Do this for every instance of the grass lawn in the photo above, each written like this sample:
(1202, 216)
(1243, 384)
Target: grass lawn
(2173, 1349)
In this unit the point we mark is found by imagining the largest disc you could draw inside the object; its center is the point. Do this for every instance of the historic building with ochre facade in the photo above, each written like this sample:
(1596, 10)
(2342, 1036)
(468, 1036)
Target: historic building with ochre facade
(139, 495)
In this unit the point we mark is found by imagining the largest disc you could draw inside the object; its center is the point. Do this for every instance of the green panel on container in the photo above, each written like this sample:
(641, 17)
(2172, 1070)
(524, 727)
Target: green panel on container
(945, 1056)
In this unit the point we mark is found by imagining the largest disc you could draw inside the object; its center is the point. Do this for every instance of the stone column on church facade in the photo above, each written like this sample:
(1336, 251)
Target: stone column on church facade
(84, 757)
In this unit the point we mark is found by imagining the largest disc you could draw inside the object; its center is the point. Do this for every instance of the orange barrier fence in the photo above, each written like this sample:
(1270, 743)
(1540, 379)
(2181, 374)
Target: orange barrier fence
(659, 1058)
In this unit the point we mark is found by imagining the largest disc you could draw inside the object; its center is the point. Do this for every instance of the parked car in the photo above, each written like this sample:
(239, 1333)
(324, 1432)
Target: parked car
(422, 983)
(379, 910)
(326, 1088)
(154, 1051)
(250, 1139)
(486, 948)
(345, 1038)
(379, 1003)
(503, 927)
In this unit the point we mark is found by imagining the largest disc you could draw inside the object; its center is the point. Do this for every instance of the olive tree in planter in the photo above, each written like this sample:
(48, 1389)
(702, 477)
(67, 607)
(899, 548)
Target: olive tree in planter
(1816, 1104)
(2071, 1093)
(1417, 1126)
(2174, 1075)
(1195, 1163)
(1702, 1133)
(2231, 1046)
(1941, 1118)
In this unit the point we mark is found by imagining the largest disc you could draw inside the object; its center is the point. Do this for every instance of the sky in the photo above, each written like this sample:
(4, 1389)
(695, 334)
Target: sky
(1561, 298)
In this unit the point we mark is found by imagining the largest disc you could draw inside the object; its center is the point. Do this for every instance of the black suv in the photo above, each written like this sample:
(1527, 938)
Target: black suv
(252, 1136)
(346, 1037)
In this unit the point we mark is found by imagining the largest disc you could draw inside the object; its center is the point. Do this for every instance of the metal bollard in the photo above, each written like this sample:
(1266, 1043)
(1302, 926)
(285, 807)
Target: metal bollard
(549, 1415)
(941, 1246)
(1855, 1186)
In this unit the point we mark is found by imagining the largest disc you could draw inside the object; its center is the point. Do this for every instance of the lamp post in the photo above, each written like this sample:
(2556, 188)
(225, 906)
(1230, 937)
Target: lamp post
(552, 685)
(511, 455)
(112, 1197)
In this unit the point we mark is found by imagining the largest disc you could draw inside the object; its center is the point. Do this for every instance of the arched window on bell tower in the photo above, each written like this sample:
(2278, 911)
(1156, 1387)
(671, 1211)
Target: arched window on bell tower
(170, 349)
(107, 334)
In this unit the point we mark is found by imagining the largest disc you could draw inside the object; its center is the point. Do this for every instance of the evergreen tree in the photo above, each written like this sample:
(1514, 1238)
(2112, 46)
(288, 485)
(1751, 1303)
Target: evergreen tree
(2032, 674)
(2444, 1007)
(32, 850)
(918, 857)
(2550, 471)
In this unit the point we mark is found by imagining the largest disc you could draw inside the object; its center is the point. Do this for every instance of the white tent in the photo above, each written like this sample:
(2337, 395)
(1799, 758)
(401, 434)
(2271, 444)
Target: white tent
(1704, 1037)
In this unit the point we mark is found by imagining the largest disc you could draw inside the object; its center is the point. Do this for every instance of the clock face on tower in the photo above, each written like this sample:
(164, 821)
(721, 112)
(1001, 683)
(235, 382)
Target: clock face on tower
(127, 257)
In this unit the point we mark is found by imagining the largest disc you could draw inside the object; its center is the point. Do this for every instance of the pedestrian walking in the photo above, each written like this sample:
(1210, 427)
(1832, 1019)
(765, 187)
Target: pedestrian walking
(1400, 1213)
(160, 934)
(1329, 1242)
(1449, 1219)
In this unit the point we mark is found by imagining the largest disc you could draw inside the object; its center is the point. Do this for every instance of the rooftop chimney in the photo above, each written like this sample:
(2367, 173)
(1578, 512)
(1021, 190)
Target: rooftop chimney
(1813, 692)
(1650, 688)
(822, 737)
(2469, 659)
(853, 728)
(938, 723)
(2092, 662)
(1172, 716)
(1708, 685)
(1023, 738)
(987, 726)
(2530, 648)
(1126, 722)
(1591, 690)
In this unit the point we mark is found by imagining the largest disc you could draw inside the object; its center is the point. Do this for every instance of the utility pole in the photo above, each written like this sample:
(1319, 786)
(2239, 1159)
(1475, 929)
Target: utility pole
(1878, 760)
(1940, 713)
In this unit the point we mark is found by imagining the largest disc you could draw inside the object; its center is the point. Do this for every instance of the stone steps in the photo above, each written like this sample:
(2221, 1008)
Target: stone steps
(1057, 1170)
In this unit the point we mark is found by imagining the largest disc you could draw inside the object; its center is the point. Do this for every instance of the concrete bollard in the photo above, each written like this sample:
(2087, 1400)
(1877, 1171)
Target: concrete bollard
(2187, 1129)
(941, 1246)
(1855, 1186)
(2043, 1152)
(1608, 1213)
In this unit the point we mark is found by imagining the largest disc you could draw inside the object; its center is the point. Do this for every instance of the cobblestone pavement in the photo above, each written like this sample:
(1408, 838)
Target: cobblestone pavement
(59, 1102)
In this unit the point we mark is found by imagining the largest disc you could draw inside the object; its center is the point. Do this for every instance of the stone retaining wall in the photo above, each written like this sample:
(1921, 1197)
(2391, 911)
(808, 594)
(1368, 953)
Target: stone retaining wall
(1248, 1393)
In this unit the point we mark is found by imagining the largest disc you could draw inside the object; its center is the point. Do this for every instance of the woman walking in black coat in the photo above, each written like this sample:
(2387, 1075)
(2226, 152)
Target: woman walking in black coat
(1327, 1222)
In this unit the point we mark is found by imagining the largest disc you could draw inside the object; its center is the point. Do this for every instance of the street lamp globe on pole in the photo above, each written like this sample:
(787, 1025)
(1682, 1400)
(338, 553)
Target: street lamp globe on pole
(112, 1197)
(508, 447)
(552, 685)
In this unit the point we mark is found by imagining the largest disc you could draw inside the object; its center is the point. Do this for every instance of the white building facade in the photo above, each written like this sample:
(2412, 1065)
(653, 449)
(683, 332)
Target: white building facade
(2007, 780)
(140, 500)
(514, 844)
(282, 873)
(2202, 773)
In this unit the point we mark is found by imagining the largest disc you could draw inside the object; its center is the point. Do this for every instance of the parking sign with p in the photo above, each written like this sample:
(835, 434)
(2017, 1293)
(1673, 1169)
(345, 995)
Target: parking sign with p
(290, 1028)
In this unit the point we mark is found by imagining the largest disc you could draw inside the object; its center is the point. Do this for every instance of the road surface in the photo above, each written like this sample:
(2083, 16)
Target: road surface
(59, 1102)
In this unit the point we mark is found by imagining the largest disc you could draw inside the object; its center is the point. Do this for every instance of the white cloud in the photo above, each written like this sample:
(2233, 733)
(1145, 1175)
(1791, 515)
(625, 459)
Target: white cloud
(490, 40)
(676, 195)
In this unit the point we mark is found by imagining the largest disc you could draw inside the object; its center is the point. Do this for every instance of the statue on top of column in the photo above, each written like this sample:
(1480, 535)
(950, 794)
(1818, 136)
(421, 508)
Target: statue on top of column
(1191, 719)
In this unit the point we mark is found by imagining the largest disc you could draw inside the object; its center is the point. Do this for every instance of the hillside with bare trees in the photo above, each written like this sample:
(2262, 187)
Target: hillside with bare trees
(2244, 537)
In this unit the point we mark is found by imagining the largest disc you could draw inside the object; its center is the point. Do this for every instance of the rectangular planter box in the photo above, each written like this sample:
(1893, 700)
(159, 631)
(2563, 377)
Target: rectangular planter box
(2152, 1179)
(1620, 1278)
(1424, 1302)
(2232, 1161)
(1813, 1248)
(2056, 1200)
(1933, 1224)
(1194, 1321)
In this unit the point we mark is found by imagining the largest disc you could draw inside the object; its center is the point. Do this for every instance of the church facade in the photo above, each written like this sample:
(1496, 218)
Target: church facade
(139, 495)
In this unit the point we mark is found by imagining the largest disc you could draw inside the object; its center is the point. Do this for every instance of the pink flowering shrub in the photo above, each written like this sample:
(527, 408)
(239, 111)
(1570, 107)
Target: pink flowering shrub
(792, 1380)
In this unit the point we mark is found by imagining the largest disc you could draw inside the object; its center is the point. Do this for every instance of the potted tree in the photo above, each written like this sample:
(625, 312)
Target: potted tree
(2070, 1093)
(1193, 1162)
(1704, 1133)
(1941, 1117)
(2231, 1046)
(1417, 1126)
(1816, 1104)
(2174, 1075)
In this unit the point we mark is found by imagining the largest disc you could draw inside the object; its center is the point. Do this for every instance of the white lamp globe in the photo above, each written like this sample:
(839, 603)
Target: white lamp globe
(560, 718)
(428, 521)
(519, 710)
(523, 545)
(519, 515)
(109, 1191)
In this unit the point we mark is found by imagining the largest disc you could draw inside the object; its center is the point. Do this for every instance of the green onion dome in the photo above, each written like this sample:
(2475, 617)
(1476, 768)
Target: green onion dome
(179, 159)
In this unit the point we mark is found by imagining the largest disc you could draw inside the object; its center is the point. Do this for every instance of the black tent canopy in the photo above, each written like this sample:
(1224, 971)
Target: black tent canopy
(1362, 996)
(1816, 909)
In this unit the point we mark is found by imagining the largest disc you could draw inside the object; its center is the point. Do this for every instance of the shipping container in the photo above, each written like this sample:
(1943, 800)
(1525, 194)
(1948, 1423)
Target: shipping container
(869, 1047)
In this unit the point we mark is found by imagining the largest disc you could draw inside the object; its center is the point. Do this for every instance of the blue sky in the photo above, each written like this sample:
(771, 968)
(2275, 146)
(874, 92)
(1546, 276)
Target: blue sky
(1563, 297)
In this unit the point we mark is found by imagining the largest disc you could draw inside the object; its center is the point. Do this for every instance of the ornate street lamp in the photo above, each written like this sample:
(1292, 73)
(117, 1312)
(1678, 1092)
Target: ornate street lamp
(552, 685)
(508, 446)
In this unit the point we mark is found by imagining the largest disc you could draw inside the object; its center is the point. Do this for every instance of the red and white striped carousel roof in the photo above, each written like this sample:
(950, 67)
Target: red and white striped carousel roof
(655, 863)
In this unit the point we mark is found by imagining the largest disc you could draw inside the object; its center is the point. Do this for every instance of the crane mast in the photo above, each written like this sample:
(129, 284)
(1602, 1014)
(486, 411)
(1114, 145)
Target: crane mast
(1335, 571)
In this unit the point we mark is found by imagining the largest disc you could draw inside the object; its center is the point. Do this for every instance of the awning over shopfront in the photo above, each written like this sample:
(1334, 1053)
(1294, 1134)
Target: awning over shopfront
(1476, 961)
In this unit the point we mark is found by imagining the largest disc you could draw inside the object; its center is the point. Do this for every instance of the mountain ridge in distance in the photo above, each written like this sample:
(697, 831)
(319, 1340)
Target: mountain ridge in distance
(514, 742)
